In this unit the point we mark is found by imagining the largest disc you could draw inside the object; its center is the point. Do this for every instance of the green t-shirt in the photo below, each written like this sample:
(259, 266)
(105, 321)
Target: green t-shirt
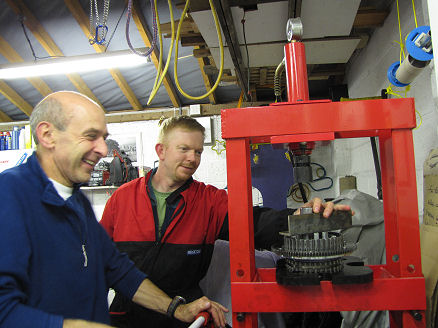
(161, 206)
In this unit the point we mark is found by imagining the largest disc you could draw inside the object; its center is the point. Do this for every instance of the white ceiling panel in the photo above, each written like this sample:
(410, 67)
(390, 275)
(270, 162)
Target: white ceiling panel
(320, 18)
(266, 24)
(323, 18)
(317, 52)
(205, 23)
(330, 52)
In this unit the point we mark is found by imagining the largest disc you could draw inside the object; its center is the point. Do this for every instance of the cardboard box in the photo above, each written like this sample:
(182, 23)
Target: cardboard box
(429, 260)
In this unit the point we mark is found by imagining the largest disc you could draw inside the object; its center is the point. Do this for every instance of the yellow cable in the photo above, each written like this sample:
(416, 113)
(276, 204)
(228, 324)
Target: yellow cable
(401, 39)
(415, 15)
(389, 91)
(421, 119)
(160, 62)
(239, 103)
(407, 89)
(221, 47)
(163, 74)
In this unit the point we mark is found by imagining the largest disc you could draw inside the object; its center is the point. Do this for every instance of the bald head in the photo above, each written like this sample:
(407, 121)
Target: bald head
(70, 130)
(57, 109)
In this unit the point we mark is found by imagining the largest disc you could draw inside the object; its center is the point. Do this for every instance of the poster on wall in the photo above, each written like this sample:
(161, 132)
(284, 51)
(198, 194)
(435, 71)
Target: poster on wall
(206, 123)
(120, 164)
(124, 144)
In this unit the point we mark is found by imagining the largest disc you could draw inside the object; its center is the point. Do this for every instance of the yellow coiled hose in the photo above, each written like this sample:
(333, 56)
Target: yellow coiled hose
(178, 34)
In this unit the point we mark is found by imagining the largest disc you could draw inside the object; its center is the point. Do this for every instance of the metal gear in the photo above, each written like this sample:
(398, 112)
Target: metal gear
(314, 253)
(319, 267)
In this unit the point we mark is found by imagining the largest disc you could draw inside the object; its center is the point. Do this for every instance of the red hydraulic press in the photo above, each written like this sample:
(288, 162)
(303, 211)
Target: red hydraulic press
(398, 285)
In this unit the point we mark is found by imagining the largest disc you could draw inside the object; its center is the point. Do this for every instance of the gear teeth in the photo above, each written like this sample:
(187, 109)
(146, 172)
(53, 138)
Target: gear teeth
(319, 253)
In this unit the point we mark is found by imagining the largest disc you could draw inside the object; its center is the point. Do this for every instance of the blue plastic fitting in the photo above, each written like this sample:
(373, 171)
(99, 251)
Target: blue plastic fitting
(391, 75)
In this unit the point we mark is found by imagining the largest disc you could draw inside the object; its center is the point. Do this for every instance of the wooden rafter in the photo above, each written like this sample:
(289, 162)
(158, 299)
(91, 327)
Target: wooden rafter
(145, 115)
(207, 81)
(12, 56)
(83, 21)
(15, 98)
(4, 117)
(48, 43)
(369, 18)
(226, 21)
(140, 22)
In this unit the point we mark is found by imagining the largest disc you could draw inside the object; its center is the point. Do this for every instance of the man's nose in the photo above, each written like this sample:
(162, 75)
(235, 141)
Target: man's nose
(101, 147)
(191, 156)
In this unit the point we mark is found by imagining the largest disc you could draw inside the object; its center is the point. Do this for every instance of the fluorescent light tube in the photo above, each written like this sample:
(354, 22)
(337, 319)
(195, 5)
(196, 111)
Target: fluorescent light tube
(73, 64)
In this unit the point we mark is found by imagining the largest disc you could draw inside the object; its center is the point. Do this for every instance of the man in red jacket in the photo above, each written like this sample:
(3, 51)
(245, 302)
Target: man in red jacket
(168, 223)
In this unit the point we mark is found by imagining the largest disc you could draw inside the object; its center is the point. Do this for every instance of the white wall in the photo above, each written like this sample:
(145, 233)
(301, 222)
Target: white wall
(433, 22)
(367, 76)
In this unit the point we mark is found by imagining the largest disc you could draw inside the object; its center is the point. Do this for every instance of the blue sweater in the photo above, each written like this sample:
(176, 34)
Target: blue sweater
(56, 261)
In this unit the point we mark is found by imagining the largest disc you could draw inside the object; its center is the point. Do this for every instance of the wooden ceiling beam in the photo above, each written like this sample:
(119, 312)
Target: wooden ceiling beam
(83, 21)
(188, 26)
(207, 81)
(369, 18)
(206, 110)
(201, 52)
(120, 116)
(226, 21)
(146, 35)
(263, 75)
(48, 44)
(15, 98)
(192, 40)
(4, 117)
(12, 56)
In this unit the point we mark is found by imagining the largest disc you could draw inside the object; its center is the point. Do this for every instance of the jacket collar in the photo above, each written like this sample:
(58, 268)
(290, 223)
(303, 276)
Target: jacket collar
(174, 195)
(49, 194)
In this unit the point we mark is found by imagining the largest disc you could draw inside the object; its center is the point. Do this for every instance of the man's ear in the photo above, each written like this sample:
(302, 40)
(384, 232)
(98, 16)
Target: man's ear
(45, 134)
(159, 149)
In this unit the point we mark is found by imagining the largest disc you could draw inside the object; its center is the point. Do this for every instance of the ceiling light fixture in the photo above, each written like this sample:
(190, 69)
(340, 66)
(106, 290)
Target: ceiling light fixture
(73, 64)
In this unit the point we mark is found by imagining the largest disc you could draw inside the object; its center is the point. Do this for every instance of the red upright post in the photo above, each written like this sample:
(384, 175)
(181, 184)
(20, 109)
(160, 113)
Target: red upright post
(296, 72)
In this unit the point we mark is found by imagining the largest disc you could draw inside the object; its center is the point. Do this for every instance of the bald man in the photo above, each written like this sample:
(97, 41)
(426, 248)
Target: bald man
(56, 261)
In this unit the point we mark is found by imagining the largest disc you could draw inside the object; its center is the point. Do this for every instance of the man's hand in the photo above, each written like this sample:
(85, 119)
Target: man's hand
(151, 297)
(188, 312)
(317, 204)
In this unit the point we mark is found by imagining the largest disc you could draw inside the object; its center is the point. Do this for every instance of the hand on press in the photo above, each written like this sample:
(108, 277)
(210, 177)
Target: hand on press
(188, 312)
(327, 207)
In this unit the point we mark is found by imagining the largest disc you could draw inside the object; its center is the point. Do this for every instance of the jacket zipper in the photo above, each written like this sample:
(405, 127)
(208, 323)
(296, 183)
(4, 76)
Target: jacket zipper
(82, 233)
(84, 251)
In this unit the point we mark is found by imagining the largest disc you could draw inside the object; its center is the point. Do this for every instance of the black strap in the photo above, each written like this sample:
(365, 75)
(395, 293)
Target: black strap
(177, 301)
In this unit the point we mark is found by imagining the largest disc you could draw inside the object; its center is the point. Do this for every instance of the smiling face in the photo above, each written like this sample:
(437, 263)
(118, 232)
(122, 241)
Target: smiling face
(180, 155)
(75, 150)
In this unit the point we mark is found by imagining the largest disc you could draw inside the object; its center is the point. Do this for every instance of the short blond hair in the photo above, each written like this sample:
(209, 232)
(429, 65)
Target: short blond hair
(183, 122)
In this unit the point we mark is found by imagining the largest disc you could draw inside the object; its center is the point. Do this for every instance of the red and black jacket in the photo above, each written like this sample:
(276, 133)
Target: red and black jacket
(196, 216)
(179, 259)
